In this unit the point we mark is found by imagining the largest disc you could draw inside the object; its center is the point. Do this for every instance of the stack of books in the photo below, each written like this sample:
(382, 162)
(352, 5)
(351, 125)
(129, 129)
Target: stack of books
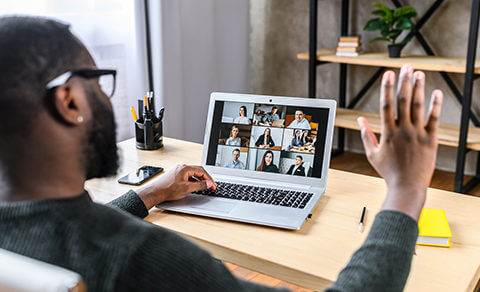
(349, 46)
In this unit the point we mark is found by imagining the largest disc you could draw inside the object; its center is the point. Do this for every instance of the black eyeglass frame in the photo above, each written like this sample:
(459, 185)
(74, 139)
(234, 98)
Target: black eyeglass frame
(88, 73)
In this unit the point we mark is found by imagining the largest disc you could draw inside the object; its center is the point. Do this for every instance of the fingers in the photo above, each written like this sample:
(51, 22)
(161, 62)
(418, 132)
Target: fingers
(386, 102)
(197, 186)
(369, 139)
(201, 174)
(417, 105)
(404, 94)
(434, 112)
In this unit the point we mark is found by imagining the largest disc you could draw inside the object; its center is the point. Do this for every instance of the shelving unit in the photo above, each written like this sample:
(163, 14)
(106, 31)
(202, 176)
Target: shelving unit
(449, 135)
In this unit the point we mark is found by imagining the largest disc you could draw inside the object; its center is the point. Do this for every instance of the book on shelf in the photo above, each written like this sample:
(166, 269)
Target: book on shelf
(349, 49)
(354, 39)
(433, 228)
(344, 54)
(349, 44)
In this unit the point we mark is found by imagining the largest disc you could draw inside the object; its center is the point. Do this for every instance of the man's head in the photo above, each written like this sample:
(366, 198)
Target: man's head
(274, 110)
(298, 115)
(298, 160)
(75, 118)
(236, 154)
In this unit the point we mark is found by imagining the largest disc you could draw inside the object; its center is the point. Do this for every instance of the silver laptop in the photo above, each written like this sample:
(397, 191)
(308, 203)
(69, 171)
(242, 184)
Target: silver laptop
(259, 179)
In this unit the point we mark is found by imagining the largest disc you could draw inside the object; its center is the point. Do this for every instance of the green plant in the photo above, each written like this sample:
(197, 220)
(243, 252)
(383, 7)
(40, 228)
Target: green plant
(391, 22)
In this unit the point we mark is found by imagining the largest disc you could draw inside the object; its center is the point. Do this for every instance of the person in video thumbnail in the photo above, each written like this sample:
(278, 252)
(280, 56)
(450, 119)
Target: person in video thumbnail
(234, 140)
(306, 139)
(235, 161)
(300, 121)
(269, 117)
(297, 140)
(297, 168)
(265, 140)
(242, 119)
(267, 163)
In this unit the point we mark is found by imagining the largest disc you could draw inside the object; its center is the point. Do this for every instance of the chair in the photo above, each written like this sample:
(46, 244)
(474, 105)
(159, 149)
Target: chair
(19, 273)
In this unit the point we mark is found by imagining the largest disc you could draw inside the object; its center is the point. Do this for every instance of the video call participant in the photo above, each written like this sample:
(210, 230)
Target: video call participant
(306, 139)
(242, 119)
(300, 121)
(265, 140)
(234, 140)
(297, 168)
(297, 140)
(267, 163)
(235, 161)
(269, 117)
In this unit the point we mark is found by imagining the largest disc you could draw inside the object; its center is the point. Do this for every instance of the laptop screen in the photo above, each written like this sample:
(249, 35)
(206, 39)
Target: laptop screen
(281, 139)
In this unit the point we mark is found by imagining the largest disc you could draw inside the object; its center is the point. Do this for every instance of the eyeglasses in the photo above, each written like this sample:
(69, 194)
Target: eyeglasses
(106, 79)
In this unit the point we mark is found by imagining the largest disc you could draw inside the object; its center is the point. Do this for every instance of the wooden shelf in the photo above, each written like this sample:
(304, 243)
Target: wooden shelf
(447, 134)
(418, 62)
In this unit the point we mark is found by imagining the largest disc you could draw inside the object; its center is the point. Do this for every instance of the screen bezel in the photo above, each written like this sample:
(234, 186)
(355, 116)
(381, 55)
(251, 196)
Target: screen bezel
(273, 100)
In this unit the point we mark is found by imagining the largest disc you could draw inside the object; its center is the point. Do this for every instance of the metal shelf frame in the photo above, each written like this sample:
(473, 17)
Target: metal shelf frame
(465, 100)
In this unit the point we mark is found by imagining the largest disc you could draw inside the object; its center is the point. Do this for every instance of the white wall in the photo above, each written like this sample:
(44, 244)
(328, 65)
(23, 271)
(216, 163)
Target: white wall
(204, 47)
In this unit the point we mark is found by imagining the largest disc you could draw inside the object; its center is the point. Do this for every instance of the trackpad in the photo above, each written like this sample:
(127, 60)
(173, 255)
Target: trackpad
(220, 207)
(197, 202)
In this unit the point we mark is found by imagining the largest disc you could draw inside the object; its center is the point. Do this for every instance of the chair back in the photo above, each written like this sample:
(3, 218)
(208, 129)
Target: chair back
(23, 274)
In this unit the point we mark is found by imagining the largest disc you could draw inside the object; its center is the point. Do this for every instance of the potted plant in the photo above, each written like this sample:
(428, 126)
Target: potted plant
(391, 23)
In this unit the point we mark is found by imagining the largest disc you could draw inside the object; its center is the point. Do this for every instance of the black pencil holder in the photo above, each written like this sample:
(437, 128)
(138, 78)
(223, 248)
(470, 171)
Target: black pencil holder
(149, 135)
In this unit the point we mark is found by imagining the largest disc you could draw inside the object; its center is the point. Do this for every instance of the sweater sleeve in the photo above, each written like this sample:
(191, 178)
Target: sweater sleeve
(165, 261)
(383, 262)
(131, 203)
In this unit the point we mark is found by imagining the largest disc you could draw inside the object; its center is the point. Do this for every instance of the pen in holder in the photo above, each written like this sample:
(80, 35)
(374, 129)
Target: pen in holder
(149, 127)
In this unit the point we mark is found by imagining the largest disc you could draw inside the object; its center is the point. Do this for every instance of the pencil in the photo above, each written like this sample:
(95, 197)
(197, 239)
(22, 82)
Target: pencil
(146, 103)
(134, 114)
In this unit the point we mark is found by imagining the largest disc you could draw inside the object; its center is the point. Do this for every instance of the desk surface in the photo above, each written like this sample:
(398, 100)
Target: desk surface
(313, 256)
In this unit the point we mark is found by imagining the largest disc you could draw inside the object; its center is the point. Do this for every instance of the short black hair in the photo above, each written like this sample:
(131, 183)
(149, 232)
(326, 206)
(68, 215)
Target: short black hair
(33, 51)
(236, 149)
(300, 156)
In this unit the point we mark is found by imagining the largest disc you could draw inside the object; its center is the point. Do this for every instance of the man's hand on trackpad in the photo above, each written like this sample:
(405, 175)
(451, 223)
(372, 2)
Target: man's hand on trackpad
(176, 184)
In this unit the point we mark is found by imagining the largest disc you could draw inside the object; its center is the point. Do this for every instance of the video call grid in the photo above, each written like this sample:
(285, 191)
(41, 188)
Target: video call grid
(258, 123)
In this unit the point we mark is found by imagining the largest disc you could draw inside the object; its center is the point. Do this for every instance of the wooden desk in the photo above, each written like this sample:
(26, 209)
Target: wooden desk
(313, 256)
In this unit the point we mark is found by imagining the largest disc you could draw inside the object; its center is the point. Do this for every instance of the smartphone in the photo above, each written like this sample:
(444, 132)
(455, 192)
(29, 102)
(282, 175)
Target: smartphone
(141, 175)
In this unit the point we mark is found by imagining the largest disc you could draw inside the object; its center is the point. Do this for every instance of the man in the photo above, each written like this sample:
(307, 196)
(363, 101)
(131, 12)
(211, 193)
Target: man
(300, 121)
(297, 168)
(68, 123)
(235, 161)
(269, 117)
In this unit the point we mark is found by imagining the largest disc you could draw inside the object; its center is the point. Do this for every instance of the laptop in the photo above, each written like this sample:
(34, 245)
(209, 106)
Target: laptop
(266, 184)
(278, 122)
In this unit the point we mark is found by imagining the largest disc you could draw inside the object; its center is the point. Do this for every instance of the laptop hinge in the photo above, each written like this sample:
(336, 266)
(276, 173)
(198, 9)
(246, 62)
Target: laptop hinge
(252, 181)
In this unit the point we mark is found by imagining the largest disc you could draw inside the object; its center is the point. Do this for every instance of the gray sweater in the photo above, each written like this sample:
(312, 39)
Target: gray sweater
(114, 250)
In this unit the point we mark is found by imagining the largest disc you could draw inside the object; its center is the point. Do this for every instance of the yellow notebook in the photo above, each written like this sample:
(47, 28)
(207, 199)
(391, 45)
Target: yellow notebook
(433, 228)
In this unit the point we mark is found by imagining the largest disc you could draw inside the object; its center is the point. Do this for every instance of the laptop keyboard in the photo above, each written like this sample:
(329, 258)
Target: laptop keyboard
(286, 198)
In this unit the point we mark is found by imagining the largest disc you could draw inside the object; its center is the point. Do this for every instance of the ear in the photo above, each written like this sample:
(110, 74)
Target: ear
(71, 104)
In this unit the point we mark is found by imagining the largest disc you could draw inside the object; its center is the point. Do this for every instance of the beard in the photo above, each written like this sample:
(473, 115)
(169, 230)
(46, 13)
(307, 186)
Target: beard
(101, 147)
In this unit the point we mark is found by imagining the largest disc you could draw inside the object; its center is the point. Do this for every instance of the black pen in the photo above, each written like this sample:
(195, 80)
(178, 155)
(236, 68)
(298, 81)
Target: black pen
(360, 225)
(160, 114)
